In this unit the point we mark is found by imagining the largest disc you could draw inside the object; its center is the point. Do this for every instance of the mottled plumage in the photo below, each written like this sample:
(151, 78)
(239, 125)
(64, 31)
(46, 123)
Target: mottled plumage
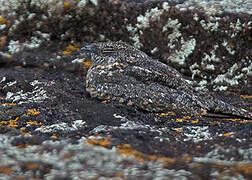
(125, 74)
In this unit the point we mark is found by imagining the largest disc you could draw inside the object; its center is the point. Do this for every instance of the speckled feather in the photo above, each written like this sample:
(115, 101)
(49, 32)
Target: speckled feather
(122, 73)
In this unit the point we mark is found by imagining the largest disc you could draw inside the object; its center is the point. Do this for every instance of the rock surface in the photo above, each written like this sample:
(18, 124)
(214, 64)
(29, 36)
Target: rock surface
(50, 127)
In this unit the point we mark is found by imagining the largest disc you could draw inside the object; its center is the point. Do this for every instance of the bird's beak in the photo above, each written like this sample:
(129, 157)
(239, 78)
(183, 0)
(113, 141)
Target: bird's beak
(87, 50)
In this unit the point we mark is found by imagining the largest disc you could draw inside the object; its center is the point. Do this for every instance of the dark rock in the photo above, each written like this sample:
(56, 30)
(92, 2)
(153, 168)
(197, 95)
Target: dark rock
(51, 128)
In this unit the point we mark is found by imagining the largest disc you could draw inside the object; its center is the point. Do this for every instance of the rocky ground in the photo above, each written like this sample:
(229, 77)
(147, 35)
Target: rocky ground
(50, 128)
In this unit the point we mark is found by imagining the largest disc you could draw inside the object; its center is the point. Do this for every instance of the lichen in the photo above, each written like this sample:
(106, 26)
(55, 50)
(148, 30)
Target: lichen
(37, 95)
(207, 36)
(210, 26)
(180, 56)
(228, 78)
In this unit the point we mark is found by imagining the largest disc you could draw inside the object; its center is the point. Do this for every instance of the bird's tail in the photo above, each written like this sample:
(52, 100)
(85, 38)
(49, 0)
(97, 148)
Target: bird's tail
(218, 108)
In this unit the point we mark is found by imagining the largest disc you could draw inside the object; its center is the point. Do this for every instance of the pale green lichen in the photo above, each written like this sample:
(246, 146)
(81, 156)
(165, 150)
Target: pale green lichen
(77, 60)
(16, 46)
(174, 36)
(102, 37)
(34, 43)
(236, 27)
(3, 79)
(144, 21)
(154, 50)
(248, 70)
(94, 2)
(171, 24)
(197, 133)
(82, 3)
(229, 77)
(220, 88)
(201, 85)
(210, 58)
(37, 95)
(195, 70)
(228, 47)
(2, 26)
(154, 14)
(210, 67)
(134, 36)
(210, 26)
(179, 57)
(62, 127)
(9, 84)
(4, 54)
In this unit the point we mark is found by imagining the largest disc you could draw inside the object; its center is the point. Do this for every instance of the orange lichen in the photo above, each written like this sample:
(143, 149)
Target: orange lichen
(237, 120)
(13, 123)
(5, 169)
(70, 48)
(232, 119)
(67, 155)
(128, 150)
(66, 4)
(10, 123)
(102, 142)
(227, 134)
(245, 168)
(34, 123)
(2, 20)
(186, 158)
(3, 122)
(105, 101)
(195, 121)
(183, 118)
(87, 63)
(9, 104)
(54, 136)
(23, 130)
(179, 120)
(66, 52)
(3, 40)
(32, 165)
(23, 145)
(166, 114)
(246, 96)
(119, 174)
(32, 112)
(178, 130)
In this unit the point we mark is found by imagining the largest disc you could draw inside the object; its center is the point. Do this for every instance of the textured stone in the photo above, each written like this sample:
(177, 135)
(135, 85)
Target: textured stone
(50, 127)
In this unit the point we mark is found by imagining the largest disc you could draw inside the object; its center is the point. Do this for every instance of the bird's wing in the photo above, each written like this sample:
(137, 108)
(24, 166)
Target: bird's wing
(152, 71)
(155, 71)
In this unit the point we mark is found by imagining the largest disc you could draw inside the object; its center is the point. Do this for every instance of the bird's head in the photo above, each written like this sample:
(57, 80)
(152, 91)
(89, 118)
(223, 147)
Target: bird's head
(110, 52)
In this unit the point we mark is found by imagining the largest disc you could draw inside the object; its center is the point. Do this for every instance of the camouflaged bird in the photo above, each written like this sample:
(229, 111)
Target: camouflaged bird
(122, 73)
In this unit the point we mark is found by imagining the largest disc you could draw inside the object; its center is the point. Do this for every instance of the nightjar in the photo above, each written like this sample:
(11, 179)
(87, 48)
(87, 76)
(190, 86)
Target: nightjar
(122, 73)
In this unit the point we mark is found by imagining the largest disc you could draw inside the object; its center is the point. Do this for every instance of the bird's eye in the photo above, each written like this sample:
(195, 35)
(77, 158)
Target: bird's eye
(108, 50)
